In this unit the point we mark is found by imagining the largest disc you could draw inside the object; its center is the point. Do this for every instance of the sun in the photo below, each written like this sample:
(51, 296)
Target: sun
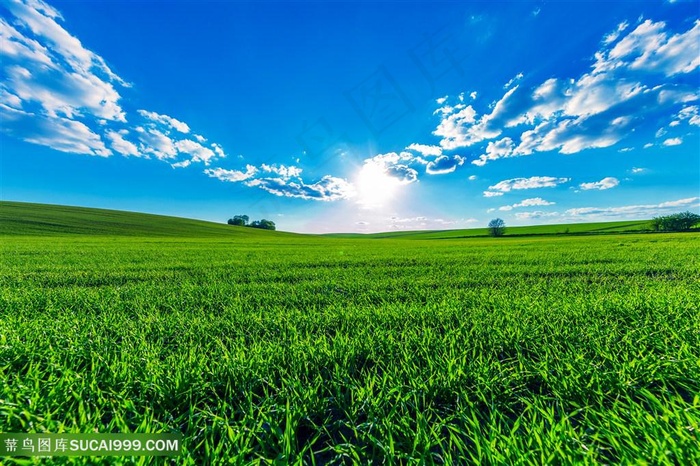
(375, 187)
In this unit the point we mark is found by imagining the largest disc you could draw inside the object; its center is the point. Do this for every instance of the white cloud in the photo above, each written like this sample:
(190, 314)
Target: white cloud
(444, 164)
(493, 193)
(395, 166)
(61, 134)
(121, 145)
(525, 183)
(689, 113)
(673, 142)
(156, 143)
(631, 211)
(73, 96)
(217, 148)
(516, 78)
(633, 70)
(638, 170)
(426, 150)
(441, 100)
(612, 37)
(168, 121)
(281, 170)
(606, 183)
(232, 176)
(534, 201)
(472, 178)
(453, 130)
(198, 152)
(423, 223)
(655, 49)
(535, 214)
(47, 66)
(328, 188)
(496, 150)
(200, 138)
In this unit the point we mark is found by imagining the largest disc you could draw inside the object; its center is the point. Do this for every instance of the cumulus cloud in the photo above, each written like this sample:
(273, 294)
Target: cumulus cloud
(496, 150)
(59, 94)
(533, 201)
(232, 176)
(643, 67)
(425, 149)
(524, 183)
(328, 188)
(281, 170)
(394, 165)
(444, 164)
(156, 143)
(48, 67)
(195, 150)
(606, 183)
(454, 129)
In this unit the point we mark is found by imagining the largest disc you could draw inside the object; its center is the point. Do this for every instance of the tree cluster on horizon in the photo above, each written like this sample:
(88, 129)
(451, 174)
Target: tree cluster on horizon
(242, 221)
(683, 221)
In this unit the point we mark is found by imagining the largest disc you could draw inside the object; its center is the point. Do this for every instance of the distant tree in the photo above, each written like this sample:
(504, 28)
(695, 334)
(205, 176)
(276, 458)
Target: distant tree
(683, 221)
(239, 220)
(497, 227)
(263, 224)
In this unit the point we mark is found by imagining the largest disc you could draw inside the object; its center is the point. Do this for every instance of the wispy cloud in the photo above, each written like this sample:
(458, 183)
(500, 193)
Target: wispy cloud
(631, 211)
(534, 215)
(636, 68)
(328, 188)
(606, 183)
(531, 202)
(166, 120)
(121, 145)
(673, 142)
(232, 176)
(524, 183)
(59, 94)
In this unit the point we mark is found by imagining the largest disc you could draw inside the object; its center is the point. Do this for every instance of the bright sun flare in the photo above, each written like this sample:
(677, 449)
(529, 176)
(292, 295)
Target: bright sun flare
(374, 186)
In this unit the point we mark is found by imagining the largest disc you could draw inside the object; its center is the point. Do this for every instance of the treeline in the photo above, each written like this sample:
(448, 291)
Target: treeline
(242, 221)
(676, 222)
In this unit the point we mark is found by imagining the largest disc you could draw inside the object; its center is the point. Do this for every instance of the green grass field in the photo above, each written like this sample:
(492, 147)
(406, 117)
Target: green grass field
(271, 348)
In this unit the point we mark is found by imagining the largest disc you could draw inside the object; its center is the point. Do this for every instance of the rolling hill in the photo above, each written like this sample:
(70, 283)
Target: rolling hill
(20, 218)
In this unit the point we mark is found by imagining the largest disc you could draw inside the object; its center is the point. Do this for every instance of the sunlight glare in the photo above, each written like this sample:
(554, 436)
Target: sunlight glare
(374, 186)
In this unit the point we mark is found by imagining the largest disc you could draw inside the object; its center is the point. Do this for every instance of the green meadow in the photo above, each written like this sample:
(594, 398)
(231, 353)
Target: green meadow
(260, 347)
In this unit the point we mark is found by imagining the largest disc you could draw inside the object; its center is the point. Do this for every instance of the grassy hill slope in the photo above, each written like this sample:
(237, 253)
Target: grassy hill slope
(634, 226)
(19, 218)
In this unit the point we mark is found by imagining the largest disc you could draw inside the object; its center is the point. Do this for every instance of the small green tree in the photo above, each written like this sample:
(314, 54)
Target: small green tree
(497, 227)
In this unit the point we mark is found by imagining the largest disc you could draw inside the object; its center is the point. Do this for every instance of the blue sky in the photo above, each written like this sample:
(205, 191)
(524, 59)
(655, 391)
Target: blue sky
(368, 116)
